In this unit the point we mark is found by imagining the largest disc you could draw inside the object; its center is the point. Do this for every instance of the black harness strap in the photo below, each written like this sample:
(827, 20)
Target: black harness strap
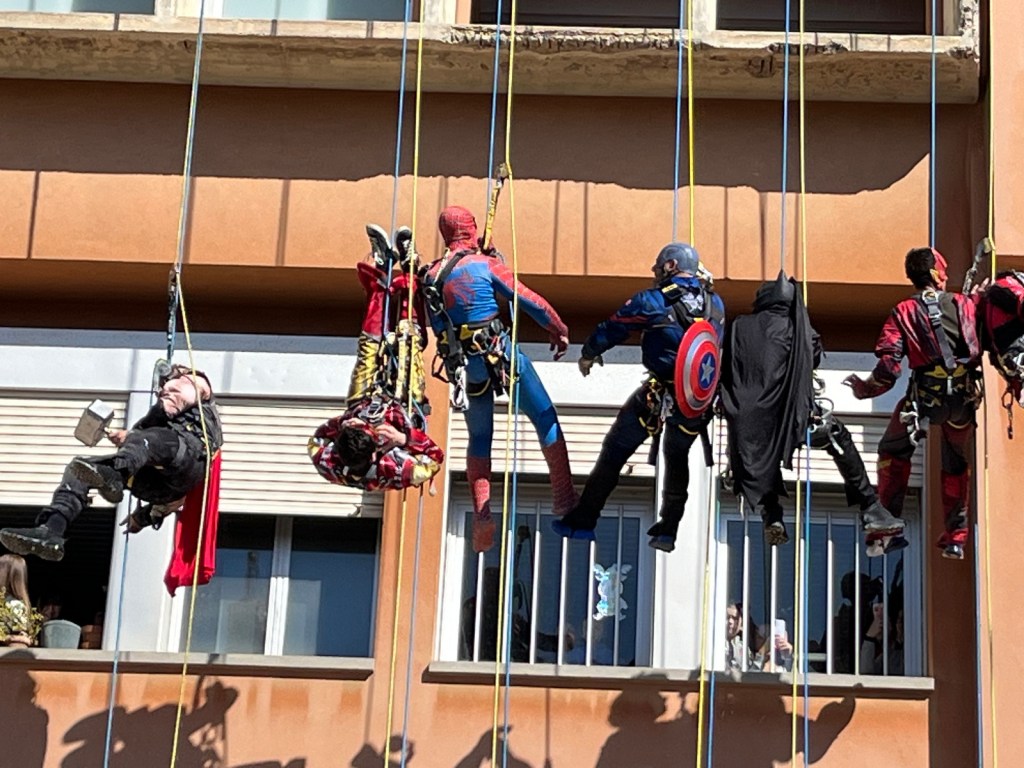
(930, 299)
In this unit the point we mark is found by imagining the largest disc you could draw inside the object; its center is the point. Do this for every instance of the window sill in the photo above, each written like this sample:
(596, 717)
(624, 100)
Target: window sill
(572, 676)
(244, 664)
(362, 55)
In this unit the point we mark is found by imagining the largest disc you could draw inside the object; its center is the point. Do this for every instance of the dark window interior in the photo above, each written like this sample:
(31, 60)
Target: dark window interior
(893, 17)
(79, 581)
(589, 13)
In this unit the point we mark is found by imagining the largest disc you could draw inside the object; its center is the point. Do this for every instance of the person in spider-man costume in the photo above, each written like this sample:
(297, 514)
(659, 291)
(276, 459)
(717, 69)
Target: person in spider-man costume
(936, 331)
(464, 287)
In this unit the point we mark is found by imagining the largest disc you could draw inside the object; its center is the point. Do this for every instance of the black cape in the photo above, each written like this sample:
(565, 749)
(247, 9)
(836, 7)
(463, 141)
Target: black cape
(766, 388)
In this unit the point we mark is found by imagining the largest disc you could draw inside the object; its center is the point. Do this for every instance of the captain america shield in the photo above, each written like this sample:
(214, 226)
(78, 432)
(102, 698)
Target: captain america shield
(698, 364)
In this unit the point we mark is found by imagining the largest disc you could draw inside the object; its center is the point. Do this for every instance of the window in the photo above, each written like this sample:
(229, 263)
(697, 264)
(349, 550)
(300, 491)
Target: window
(841, 608)
(301, 586)
(76, 587)
(557, 615)
(81, 6)
(368, 10)
(893, 17)
(592, 13)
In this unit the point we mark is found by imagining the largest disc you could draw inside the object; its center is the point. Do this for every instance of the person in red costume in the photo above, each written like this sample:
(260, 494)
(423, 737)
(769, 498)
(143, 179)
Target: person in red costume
(375, 445)
(463, 288)
(936, 332)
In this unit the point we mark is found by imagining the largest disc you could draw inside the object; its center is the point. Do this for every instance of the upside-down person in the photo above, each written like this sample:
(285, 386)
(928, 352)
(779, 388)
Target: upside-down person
(769, 404)
(160, 459)
(936, 331)
(462, 290)
(662, 315)
(375, 445)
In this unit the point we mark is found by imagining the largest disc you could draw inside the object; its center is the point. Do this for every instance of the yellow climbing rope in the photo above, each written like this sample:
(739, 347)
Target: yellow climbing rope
(800, 576)
(405, 493)
(499, 656)
(988, 520)
(202, 527)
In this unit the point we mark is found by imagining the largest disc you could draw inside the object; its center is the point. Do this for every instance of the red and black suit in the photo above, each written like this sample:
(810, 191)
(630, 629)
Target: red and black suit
(936, 332)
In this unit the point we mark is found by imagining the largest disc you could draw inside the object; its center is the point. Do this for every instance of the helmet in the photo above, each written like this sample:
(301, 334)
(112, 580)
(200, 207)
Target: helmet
(684, 254)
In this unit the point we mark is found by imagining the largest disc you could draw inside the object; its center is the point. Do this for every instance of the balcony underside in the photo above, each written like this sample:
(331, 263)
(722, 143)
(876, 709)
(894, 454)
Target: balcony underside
(367, 56)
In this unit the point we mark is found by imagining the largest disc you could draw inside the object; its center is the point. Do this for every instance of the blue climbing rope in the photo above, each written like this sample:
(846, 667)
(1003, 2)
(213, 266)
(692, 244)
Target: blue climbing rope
(679, 121)
(931, 154)
(785, 134)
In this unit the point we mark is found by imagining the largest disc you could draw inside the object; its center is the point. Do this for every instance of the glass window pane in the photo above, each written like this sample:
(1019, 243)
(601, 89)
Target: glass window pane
(359, 10)
(331, 587)
(231, 611)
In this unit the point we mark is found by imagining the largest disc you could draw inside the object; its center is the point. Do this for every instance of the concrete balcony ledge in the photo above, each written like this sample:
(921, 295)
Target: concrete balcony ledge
(238, 664)
(604, 678)
(458, 58)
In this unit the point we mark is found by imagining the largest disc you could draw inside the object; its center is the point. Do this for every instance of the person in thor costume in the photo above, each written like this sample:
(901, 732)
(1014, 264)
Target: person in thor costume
(936, 331)
(664, 315)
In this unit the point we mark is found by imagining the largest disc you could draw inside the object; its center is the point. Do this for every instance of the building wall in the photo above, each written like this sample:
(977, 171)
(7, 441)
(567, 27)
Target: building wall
(285, 180)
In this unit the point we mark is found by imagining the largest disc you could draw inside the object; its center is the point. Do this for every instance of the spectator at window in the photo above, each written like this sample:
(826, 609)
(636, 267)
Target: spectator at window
(18, 607)
(738, 642)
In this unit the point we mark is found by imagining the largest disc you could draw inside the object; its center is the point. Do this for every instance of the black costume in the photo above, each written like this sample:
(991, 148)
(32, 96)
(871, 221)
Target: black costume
(161, 459)
(768, 398)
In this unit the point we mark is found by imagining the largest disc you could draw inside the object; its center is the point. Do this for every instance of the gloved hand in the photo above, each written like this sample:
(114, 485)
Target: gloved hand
(586, 363)
(559, 345)
(862, 388)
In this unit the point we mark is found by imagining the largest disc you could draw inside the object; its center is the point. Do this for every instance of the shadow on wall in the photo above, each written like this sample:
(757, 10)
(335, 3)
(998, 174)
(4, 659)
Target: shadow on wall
(143, 736)
(643, 739)
(22, 716)
(269, 133)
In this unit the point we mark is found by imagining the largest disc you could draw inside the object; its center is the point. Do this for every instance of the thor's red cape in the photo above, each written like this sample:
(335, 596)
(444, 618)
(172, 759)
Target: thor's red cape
(182, 569)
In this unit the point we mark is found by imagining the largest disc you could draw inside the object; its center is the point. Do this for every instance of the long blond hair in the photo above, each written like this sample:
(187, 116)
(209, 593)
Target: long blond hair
(14, 577)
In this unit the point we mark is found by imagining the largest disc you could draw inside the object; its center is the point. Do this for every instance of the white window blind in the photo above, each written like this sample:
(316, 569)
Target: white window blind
(37, 441)
(265, 466)
(584, 428)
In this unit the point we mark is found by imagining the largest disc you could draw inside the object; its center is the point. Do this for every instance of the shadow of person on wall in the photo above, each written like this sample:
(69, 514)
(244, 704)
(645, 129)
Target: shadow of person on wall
(773, 742)
(143, 736)
(480, 755)
(368, 757)
(744, 735)
(22, 717)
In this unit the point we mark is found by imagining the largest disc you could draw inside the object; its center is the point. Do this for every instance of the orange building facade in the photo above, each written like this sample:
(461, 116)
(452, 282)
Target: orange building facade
(296, 660)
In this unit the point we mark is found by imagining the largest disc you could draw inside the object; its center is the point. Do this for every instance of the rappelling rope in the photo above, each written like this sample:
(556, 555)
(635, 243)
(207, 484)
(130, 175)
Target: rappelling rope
(802, 634)
(685, 42)
(405, 497)
(988, 520)
(183, 219)
(176, 300)
(510, 415)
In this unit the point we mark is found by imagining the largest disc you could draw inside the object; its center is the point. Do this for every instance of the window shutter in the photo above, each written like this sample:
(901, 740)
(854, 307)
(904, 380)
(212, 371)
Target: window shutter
(866, 431)
(37, 441)
(584, 430)
(265, 467)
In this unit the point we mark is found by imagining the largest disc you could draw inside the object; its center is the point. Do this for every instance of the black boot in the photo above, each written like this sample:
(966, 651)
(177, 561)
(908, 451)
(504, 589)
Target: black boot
(578, 523)
(40, 541)
(663, 535)
(878, 519)
(102, 477)
(774, 529)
